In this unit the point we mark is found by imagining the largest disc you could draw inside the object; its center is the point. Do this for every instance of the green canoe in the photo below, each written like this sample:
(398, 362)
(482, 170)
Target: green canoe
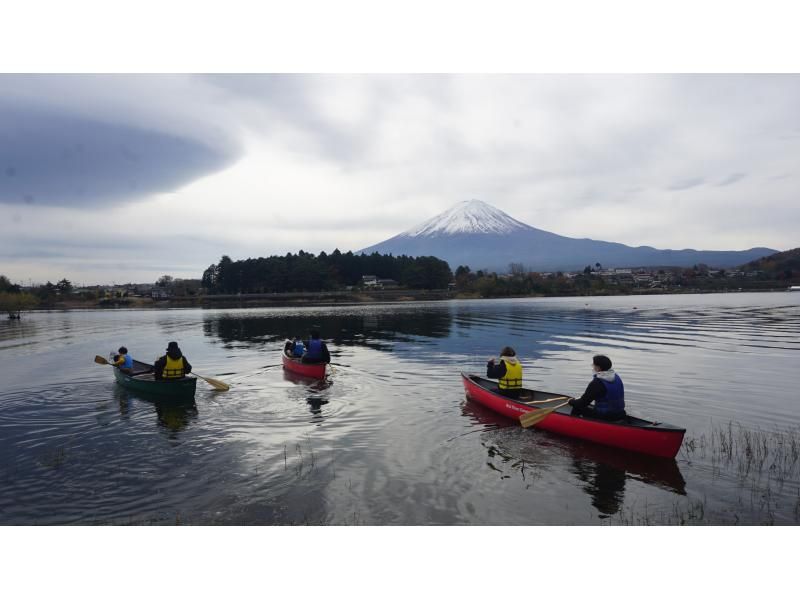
(142, 380)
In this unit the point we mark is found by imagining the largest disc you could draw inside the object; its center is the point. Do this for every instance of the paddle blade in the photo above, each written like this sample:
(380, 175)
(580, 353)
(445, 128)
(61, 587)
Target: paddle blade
(534, 417)
(100, 360)
(218, 384)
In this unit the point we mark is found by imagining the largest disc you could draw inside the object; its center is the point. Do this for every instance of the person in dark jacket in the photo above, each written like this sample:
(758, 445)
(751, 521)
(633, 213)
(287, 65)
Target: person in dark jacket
(508, 371)
(316, 350)
(605, 390)
(173, 365)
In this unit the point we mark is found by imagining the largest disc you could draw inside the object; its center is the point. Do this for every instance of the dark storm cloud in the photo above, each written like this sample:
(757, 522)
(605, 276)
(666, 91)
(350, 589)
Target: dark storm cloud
(51, 157)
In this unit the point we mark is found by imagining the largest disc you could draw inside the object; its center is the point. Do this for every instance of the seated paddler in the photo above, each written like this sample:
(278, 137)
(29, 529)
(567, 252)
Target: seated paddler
(123, 361)
(508, 371)
(298, 348)
(316, 349)
(173, 365)
(605, 391)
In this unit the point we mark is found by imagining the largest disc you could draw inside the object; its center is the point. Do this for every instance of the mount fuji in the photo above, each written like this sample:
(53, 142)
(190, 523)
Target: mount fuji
(476, 234)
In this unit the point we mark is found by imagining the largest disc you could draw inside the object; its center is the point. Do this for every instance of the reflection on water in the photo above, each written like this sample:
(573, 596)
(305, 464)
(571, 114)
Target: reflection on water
(374, 329)
(387, 437)
(598, 470)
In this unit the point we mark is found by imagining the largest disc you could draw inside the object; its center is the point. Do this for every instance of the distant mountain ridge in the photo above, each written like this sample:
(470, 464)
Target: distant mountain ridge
(476, 234)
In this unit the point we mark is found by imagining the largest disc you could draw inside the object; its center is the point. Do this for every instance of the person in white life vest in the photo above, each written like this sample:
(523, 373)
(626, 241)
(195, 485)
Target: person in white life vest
(173, 365)
(508, 371)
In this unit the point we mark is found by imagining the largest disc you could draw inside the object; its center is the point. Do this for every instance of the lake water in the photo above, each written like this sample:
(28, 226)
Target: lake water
(389, 438)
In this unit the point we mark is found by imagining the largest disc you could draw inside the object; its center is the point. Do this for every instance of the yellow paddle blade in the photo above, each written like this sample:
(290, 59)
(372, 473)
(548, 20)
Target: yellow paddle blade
(218, 384)
(100, 360)
(534, 417)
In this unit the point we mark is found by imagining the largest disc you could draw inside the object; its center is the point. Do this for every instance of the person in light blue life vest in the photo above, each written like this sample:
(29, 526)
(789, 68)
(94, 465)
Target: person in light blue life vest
(123, 361)
(508, 372)
(316, 349)
(298, 348)
(605, 390)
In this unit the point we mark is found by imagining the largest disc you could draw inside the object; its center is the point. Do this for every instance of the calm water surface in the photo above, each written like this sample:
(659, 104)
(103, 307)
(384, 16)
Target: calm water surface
(389, 437)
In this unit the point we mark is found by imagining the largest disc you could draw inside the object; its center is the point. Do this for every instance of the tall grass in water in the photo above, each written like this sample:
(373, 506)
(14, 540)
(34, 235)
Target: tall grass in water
(761, 462)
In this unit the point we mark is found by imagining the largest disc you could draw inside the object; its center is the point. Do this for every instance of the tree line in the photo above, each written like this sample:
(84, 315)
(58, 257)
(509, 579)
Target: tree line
(306, 272)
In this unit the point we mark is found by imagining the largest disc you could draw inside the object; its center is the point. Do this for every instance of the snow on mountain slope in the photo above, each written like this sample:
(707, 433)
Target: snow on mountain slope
(472, 217)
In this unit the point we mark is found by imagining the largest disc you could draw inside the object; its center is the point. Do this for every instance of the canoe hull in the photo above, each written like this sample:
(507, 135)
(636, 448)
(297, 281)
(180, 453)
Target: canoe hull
(650, 438)
(177, 389)
(310, 370)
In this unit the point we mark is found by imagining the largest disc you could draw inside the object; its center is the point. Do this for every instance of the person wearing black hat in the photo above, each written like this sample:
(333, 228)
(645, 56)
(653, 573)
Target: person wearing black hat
(173, 365)
(605, 390)
(123, 361)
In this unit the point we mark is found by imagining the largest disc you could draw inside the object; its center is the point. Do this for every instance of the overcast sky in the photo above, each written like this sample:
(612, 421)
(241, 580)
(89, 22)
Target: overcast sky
(125, 178)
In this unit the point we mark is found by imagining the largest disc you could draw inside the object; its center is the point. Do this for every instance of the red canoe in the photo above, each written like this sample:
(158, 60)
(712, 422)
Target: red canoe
(632, 433)
(295, 364)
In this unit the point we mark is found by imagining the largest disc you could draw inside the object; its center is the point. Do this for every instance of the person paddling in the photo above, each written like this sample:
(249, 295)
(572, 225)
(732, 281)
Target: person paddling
(316, 350)
(123, 361)
(508, 371)
(173, 365)
(605, 389)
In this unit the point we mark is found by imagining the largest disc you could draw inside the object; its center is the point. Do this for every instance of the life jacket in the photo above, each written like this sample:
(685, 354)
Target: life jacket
(128, 363)
(513, 378)
(298, 349)
(614, 399)
(173, 368)
(314, 350)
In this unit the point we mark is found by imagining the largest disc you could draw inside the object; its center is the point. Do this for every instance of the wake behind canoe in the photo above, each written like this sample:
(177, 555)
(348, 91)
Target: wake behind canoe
(630, 433)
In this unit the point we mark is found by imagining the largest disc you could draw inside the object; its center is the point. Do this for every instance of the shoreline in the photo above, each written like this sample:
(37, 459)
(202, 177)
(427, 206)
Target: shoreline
(334, 298)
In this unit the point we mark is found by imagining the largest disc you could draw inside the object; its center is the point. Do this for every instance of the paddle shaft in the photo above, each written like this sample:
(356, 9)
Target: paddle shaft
(545, 401)
(534, 417)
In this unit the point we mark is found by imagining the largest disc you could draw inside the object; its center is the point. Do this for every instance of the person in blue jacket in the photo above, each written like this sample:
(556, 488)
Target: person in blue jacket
(124, 361)
(605, 390)
(316, 350)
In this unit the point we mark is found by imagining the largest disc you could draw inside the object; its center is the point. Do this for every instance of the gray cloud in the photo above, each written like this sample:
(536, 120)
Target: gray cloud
(52, 158)
(686, 184)
(731, 179)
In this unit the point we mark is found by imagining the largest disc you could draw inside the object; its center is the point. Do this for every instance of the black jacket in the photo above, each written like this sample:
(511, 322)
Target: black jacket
(495, 369)
(595, 390)
(161, 363)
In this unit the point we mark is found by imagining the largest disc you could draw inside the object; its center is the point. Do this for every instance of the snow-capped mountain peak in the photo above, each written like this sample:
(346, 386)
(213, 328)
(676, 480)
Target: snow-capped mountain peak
(474, 216)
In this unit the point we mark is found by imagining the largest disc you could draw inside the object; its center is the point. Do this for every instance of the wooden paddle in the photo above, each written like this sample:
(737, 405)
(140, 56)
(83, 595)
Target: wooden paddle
(218, 384)
(534, 417)
(545, 401)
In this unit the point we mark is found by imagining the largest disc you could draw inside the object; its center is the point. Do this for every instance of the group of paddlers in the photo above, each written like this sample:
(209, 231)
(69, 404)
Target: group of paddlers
(170, 366)
(605, 390)
(312, 350)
